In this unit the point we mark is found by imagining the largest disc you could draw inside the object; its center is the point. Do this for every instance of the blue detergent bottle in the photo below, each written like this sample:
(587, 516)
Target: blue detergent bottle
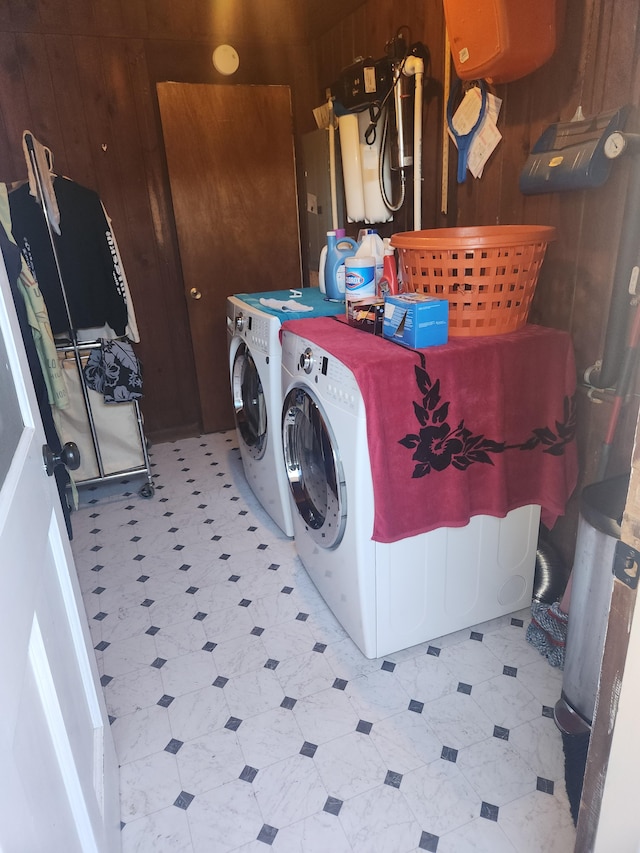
(339, 247)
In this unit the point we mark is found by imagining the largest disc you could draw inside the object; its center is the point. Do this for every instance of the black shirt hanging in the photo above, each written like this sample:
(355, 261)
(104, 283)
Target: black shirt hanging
(88, 262)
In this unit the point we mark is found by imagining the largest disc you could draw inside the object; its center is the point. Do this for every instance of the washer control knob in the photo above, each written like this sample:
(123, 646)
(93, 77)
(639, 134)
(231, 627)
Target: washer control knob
(240, 322)
(306, 360)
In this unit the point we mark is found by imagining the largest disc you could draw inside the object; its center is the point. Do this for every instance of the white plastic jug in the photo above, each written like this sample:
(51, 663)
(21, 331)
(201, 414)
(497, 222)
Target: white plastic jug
(371, 246)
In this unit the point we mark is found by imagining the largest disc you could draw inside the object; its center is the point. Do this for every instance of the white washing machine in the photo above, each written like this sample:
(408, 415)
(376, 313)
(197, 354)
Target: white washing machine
(253, 337)
(387, 596)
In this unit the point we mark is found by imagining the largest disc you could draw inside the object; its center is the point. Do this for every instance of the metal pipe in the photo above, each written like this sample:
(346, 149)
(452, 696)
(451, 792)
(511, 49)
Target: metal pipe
(415, 66)
(332, 167)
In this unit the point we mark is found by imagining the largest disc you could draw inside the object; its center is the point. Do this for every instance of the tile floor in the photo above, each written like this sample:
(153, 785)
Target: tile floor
(244, 718)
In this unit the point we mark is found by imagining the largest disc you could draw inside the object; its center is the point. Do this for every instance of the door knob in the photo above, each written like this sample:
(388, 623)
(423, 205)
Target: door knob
(194, 293)
(68, 456)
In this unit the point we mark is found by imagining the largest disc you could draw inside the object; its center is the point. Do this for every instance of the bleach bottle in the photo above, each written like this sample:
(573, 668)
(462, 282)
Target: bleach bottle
(371, 246)
(339, 247)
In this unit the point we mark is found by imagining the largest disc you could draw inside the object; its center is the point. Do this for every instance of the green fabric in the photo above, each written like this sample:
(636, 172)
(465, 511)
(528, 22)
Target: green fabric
(38, 319)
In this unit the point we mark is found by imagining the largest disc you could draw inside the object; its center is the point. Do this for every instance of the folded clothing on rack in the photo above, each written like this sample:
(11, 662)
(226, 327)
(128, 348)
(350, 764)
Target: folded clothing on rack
(114, 371)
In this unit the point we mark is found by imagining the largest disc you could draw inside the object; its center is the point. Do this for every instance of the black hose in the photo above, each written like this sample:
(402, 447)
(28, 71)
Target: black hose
(607, 374)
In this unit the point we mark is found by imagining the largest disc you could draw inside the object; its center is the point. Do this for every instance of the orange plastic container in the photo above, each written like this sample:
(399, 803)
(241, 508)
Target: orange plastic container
(500, 40)
(488, 274)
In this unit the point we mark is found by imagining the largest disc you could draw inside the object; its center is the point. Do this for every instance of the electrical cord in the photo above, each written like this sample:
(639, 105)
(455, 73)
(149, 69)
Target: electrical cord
(393, 207)
(370, 132)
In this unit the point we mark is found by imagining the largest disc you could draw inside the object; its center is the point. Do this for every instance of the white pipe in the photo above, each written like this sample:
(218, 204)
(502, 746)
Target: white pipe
(415, 66)
(444, 176)
(332, 168)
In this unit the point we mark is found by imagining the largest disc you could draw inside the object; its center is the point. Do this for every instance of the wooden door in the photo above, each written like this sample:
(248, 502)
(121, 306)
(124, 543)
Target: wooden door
(59, 776)
(232, 171)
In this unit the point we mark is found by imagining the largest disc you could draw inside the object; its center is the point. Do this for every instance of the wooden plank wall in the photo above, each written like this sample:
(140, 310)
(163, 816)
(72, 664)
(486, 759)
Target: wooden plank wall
(597, 67)
(81, 74)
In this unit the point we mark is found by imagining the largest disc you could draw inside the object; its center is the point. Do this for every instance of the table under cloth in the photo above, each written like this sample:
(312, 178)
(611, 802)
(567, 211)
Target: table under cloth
(477, 426)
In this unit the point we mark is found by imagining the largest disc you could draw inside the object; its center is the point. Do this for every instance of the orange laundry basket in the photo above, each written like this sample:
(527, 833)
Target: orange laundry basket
(488, 274)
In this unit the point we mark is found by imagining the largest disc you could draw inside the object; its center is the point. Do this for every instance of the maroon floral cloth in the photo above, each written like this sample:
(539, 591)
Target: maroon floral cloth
(478, 426)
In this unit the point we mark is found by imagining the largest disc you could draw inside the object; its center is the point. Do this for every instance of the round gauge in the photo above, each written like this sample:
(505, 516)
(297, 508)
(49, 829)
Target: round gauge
(614, 145)
(225, 59)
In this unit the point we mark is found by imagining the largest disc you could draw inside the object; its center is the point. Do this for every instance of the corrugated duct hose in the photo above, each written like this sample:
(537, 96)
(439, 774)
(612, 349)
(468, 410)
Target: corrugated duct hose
(551, 572)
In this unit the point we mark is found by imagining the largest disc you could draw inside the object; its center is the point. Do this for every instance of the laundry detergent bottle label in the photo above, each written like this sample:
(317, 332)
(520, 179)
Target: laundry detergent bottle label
(338, 249)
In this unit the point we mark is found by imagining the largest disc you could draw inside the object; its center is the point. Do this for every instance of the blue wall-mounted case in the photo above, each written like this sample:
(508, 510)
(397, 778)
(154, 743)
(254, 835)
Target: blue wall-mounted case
(570, 155)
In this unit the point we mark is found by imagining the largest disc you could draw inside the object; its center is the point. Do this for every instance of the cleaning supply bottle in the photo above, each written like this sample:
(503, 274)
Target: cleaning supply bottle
(340, 232)
(371, 246)
(388, 284)
(339, 247)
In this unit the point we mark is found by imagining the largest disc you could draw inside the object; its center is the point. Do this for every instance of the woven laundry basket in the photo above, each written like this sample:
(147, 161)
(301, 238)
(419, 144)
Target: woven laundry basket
(488, 273)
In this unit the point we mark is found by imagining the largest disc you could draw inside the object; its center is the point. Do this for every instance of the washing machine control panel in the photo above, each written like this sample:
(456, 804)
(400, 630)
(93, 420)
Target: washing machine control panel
(255, 330)
(333, 380)
(306, 360)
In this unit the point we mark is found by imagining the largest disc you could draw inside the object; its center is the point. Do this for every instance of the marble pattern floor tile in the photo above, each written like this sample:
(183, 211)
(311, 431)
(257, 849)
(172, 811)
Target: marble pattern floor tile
(245, 718)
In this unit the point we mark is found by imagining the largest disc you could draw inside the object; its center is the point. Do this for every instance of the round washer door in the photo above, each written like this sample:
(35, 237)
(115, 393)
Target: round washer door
(314, 469)
(248, 402)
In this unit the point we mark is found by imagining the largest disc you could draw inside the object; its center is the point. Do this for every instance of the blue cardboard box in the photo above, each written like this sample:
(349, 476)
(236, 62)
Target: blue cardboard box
(416, 320)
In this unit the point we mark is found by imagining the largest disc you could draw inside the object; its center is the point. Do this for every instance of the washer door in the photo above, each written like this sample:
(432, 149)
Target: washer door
(248, 402)
(316, 478)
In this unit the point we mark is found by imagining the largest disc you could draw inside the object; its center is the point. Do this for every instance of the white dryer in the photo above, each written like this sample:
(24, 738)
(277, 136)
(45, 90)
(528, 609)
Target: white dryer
(387, 596)
(253, 337)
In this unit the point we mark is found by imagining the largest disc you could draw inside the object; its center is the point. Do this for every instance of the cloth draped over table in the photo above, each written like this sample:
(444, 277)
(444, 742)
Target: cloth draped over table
(479, 426)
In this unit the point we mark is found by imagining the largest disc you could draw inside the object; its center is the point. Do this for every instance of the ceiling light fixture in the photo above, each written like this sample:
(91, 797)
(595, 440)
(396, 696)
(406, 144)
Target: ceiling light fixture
(225, 59)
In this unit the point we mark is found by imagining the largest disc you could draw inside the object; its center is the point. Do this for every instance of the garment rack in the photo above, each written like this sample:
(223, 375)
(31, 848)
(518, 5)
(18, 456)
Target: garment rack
(78, 347)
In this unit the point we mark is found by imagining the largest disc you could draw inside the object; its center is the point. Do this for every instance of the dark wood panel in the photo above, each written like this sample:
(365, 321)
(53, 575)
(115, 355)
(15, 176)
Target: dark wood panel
(54, 16)
(622, 52)
(134, 19)
(81, 20)
(5, 17)
(431, 116)
(16, 116)
(121, 61)
(271, 21)
(268, 22)
(107, 17)
(322, 15)
(32, 56)
(166, 348)
(73, 156)
(98, 106)
(167, 19)
(25, 16)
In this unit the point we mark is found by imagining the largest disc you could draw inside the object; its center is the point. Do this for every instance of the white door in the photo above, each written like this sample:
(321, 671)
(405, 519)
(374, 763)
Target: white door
(58, 772)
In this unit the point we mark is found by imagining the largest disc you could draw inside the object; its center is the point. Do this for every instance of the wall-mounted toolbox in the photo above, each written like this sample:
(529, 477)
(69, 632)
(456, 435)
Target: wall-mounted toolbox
(501, 40)
(571, 155)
